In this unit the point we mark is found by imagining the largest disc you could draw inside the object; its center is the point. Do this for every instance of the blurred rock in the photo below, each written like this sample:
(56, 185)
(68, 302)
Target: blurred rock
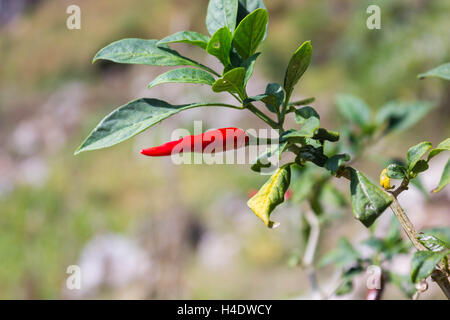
(218, 251)
(33, 171)
(111, 261)
(9, 9)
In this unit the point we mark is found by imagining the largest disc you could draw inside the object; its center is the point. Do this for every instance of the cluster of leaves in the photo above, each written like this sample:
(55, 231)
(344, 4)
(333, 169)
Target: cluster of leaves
(352, 262)
(237, 28)
(415, 164)
(366, 127)
(442, 71)
(424, 262)
(362, 128)
(315, 187)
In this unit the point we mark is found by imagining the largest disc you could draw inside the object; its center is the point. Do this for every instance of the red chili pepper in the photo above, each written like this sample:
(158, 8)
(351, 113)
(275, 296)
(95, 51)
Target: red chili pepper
(225, 137)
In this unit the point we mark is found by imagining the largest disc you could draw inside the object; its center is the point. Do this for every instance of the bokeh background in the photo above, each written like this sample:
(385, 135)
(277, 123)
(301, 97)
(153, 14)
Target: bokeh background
(145, 228)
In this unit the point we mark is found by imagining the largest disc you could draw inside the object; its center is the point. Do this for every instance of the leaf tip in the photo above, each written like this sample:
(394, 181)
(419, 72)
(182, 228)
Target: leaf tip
(273, 224)
(94, 60)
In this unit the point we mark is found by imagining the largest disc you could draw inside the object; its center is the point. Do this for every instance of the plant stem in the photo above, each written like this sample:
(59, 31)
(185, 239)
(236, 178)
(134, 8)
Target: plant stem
(255, 111)
(406, 224)
(439, 276)
(262, 115)
(310, 251)
(218, 104)
(209, 70)
(301, 102)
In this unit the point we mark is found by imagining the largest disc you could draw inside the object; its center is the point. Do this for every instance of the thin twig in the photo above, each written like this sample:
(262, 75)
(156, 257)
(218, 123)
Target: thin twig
(310, 251)
(406, 224)
(438, 275)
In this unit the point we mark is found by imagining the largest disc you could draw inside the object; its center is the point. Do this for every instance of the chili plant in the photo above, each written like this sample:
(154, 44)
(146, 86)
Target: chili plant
(236, 28)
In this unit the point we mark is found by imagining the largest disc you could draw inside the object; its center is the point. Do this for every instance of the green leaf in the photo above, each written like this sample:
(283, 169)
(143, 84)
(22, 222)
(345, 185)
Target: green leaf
(392, 244)
(415, 153)
(232, 81)
(368, 201)
(375, 243)
(442, 233)
(190, 37)
(332, 196)
(424, 263)
(420, 166)
(220, 45)
(140, 51)
(221, 13)
(343, 256)
(252, 5)
(312, 141)
(302, 102)
(313, 154)
(272, 98)
(245, 7)
(305, 179)
(443, 71)
(308, 118)
(249, 65)
(297, 66)
(399, 116)
(271, 195)
(403, 282)
(263, 159)
(445, 178)
(354, 110)
(347, 280)
(333, 163)
(305, 113)
(184, 75)
(309, 127)
(396, 171)
(275, 95)
(250, 32)
(328, 135)
(432, 243)
(443, 146)
(129, 120)
(345, 287)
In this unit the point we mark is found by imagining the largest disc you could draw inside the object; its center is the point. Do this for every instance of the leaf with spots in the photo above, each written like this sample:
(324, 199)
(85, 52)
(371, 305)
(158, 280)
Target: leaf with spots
(368, 201)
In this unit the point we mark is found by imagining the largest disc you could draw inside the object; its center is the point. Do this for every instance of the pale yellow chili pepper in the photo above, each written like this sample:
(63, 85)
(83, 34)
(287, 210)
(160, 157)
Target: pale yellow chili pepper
(384, 179)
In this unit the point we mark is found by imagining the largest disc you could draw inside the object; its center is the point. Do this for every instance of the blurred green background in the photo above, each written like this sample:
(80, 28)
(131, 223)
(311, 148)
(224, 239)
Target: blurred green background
(145, 228)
